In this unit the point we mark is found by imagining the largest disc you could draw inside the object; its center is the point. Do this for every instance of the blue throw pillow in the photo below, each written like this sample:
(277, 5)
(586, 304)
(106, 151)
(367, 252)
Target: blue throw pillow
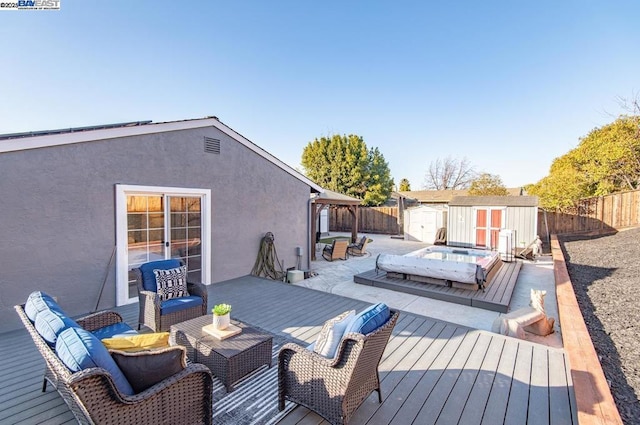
(37, 302)
(50, 323)
(80, 349)
(149, 278)
(370, 319)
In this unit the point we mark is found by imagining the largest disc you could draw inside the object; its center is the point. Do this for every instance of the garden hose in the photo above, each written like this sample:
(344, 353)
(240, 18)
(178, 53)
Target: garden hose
(268, 259)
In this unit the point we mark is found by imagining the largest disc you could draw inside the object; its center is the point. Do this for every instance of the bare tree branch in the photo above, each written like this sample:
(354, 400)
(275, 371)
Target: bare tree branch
(449, 173)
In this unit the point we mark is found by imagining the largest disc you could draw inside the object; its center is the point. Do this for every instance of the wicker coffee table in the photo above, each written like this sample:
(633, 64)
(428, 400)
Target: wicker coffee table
(230, 359)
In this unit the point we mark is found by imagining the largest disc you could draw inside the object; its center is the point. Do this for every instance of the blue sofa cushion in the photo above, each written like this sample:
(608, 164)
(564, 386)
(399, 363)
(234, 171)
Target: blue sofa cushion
(370, 319)
(149, 278)
(50, 323)
(114, 331)
(177, 304)
(80, 349)
(37, 302)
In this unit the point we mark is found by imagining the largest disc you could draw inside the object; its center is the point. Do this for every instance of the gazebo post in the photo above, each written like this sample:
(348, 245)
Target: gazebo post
(312, 229)
(353, 209)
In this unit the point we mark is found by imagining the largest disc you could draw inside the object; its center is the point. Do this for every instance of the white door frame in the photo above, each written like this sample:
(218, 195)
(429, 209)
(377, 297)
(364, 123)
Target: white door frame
(122, 257)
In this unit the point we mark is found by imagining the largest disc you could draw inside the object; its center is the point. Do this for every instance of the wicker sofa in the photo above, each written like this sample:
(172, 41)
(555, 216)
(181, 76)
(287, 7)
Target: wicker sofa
(334, 387)
(183, 395)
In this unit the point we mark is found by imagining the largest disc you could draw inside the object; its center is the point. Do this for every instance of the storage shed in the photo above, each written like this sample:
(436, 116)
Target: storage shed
(421, 223)
(475, 221)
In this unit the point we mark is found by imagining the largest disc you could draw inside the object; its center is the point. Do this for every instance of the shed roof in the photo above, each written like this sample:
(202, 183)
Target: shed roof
(490, 201)
(445, 196)
(47, 138)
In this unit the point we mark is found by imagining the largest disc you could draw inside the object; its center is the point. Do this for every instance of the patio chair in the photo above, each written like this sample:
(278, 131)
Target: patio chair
(337, 250)
(159, 314)
(334, 387)
(358, 249)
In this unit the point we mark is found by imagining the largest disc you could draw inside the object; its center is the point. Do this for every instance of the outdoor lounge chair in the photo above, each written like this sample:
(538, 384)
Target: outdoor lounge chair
(337, 250)
(159, 315)
(163, 388)
(334, 388)
(358, 249)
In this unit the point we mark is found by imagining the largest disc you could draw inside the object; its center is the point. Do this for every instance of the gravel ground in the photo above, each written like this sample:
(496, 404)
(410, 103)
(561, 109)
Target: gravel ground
(605, 271)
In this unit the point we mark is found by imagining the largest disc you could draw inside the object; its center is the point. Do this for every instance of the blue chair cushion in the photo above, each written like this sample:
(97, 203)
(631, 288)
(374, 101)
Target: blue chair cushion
(80, 349)
(50, 323)
(177, 304)
(370, 319)
(114, 331)
(149, 278)
(37, 302)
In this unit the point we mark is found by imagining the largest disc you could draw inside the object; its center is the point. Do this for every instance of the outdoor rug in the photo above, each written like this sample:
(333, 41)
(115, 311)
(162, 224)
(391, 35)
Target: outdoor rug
(254, 399)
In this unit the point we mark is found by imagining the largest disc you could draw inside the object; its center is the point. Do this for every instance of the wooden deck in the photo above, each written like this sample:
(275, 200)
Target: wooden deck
(432, 372)
(495, 297)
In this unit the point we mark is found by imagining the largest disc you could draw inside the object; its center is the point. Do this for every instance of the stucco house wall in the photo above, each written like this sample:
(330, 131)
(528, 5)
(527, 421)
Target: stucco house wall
(58, 219)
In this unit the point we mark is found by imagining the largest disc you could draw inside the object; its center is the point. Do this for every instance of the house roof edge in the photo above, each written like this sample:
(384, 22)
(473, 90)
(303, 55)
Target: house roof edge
(24, 141)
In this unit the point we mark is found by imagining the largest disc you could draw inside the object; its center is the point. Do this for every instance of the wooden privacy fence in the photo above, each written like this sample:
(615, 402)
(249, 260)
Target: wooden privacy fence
(598, 214)
(370, 220)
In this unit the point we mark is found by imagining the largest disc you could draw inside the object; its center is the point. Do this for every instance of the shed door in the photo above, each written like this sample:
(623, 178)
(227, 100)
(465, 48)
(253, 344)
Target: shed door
(496, 224)
(488, 224)
(423, 226)
(481, 227)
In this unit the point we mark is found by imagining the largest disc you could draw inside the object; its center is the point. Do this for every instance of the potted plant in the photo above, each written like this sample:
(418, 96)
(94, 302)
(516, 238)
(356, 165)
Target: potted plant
(221, 316)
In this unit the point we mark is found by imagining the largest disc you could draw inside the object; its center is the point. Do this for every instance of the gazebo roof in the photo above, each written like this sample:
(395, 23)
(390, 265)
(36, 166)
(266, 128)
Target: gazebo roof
(335, 198)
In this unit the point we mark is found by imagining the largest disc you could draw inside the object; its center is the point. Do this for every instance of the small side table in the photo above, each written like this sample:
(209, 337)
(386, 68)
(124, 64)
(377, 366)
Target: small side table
(230, 359)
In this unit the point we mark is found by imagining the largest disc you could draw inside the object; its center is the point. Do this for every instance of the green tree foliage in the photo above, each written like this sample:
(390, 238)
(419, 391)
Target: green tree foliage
(344, 164)
(405, 186)
(487, 185)
(380, 182)
(607, 160)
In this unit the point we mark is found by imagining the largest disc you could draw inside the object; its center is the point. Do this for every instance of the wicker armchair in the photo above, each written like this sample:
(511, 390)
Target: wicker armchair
(334, 388)
(182, 398)
(151, 311)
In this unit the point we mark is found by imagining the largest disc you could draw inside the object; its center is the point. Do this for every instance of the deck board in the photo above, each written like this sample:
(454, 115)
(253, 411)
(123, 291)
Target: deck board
(495, 297)
(431, 372)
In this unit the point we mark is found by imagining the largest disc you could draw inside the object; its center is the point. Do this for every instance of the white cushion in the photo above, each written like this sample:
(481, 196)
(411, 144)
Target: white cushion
(331, 334)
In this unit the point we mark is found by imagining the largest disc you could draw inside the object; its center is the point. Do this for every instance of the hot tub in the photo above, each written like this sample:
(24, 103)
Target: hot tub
(441, 262)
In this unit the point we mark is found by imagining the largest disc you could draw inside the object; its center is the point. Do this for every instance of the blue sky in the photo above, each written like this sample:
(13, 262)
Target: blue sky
(509, 85)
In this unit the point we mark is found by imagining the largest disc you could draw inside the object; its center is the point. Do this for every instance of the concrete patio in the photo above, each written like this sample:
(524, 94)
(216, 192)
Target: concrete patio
(337, 278)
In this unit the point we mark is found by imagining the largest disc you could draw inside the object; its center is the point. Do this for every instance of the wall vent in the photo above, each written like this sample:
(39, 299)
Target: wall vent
(211, 145)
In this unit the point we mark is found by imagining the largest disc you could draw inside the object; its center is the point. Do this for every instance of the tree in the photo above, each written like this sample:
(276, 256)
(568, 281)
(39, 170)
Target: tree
(380, 182)
(607, 160)
(405, 186)
(344, 164)
(487, 185)
(449, 173)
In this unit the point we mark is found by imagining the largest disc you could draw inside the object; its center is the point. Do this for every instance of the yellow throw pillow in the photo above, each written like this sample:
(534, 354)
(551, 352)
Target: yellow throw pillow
(138, 342)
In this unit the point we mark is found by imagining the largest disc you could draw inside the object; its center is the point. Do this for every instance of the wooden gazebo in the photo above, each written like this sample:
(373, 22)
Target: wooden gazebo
(323, 200)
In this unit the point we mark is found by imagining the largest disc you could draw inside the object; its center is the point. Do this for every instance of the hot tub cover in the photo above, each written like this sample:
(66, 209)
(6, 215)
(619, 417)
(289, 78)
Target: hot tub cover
(446, 263)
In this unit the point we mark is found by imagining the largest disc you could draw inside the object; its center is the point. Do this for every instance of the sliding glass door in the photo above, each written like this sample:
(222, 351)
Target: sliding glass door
(161, 223)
